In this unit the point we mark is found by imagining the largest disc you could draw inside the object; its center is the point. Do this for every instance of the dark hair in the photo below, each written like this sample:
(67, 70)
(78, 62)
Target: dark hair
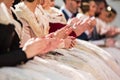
(85, 7)
(30, 0)
(111, 12)
(64, 1)
(101, 1)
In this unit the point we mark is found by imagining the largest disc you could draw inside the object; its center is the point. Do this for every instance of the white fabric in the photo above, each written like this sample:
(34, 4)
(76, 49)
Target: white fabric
(24, 13)
(4, 15)
(115, 52)
(83, 62)
(56, 16)
(101, 26)
(7, 18)
(34, 24)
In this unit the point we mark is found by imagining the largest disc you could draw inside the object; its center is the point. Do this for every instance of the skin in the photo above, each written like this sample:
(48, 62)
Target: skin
(32, 5)
(100, 7)
(8, 3)
(93, 8)
(39, 46)
(104, 17)
(110, 42)
(83, 25)
(46, 4)
(52, 3)
(91, 12)
(72, 5)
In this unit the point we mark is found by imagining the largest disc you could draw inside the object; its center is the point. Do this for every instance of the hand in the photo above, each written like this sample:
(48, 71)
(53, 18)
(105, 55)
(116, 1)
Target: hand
(61, 33)
(34, 46)
(79, 26)
(39, 46)
(53, 44)
(92, 23)
(69, 42)
(110, 42)
(72, 21)
(113, 32)
(118, 30)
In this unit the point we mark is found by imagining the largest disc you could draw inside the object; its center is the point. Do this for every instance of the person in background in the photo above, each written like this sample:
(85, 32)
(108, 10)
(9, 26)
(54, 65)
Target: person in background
(108, 14)
(89, 8)
(102, 30)
(56, 23)
(55, 15)
(101, 4)
(70, 9)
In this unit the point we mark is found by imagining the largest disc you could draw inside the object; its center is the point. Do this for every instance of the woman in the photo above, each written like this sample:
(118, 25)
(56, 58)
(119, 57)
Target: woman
(34, 27)
(11, 54)
(89, 9)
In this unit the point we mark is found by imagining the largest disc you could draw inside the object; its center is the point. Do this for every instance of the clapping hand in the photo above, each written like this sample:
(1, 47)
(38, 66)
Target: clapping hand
(61, 33)
(40, 46)
(79, 26)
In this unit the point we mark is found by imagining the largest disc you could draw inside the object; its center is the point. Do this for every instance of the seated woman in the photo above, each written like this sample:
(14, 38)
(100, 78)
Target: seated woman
(10, 53)
(33, 27)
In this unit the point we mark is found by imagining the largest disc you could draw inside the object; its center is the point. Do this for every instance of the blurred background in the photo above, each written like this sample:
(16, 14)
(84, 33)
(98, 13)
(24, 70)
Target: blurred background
(113, 3)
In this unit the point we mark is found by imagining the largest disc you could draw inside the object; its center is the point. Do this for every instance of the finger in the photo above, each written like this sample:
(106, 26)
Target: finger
(68, 31)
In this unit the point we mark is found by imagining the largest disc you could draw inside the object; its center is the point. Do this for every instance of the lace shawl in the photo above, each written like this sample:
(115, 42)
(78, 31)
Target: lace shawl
(23, 12)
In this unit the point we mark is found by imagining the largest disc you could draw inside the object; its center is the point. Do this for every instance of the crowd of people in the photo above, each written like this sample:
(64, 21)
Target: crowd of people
(39, 40)
(35, 24)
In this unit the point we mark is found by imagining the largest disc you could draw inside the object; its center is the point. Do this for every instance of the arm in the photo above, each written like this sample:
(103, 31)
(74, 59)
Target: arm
(13, 58)
(33, 47)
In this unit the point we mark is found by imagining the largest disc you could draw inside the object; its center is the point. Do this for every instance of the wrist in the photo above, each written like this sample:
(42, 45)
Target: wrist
(61, 45)
(27, 53)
